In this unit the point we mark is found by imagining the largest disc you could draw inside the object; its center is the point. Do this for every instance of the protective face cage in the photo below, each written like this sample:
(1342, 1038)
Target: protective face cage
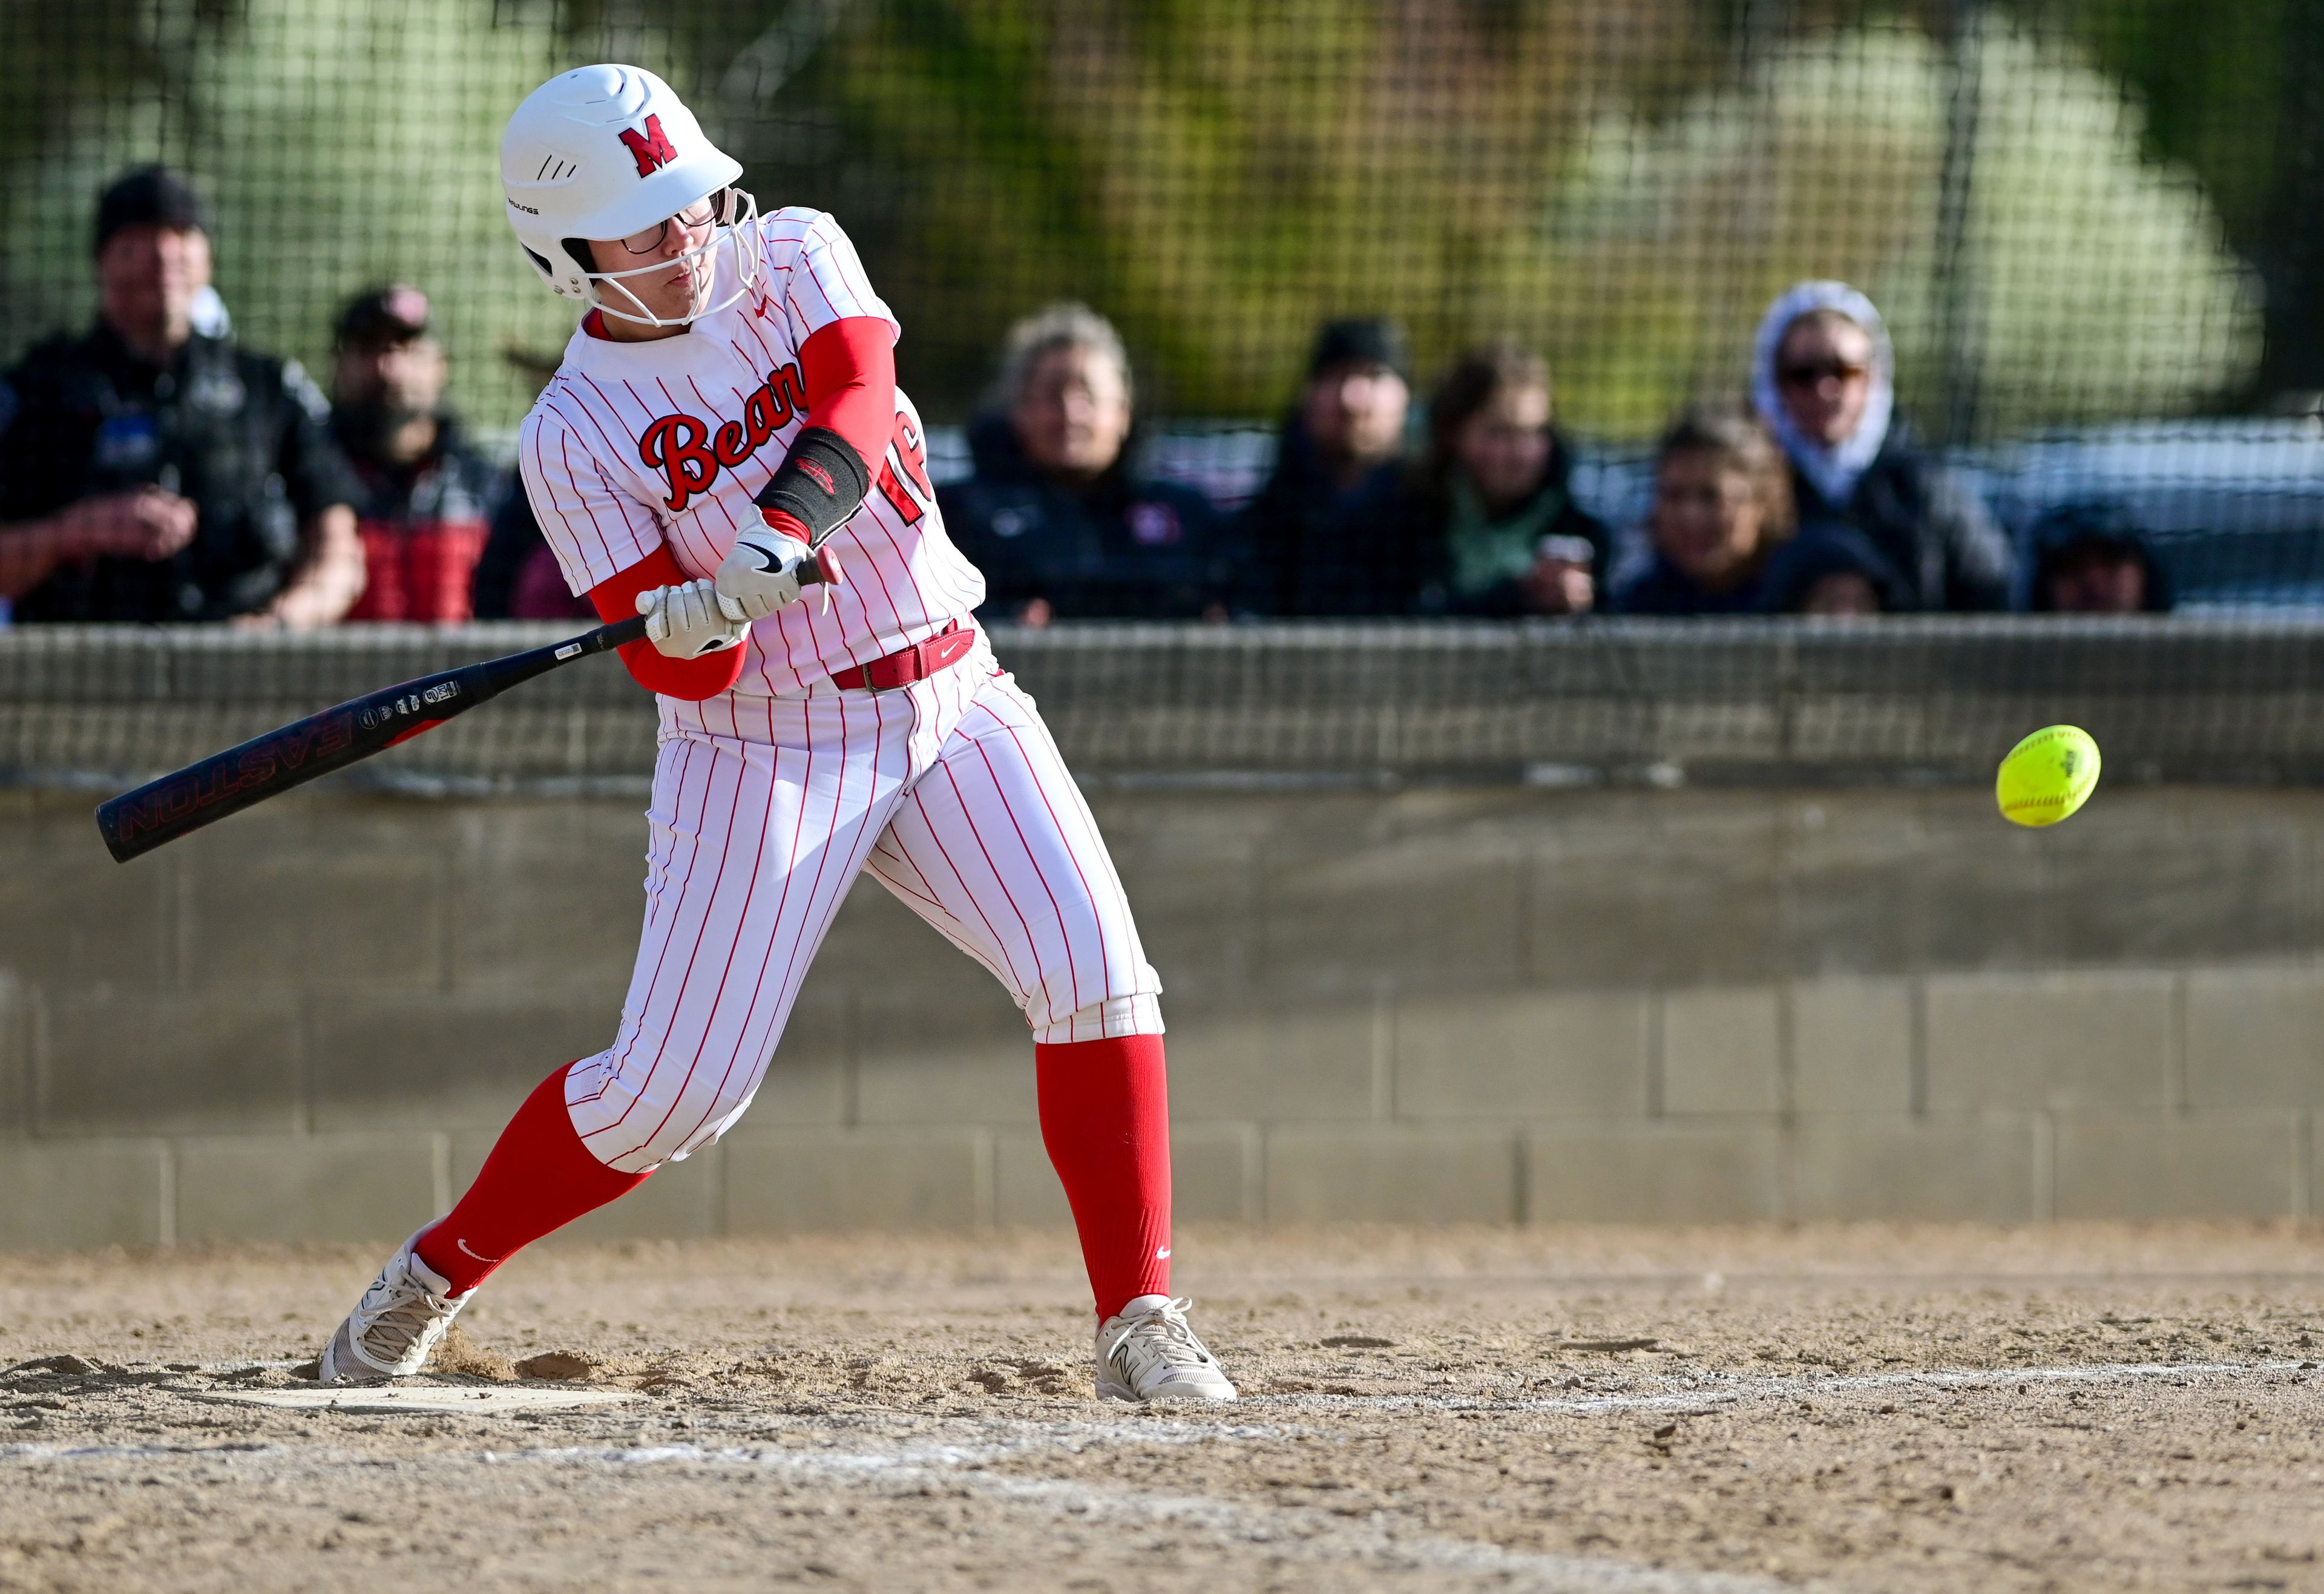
(735, 223)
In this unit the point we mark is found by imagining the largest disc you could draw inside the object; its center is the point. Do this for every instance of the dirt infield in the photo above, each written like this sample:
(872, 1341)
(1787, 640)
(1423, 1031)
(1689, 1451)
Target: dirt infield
(1870, 1409)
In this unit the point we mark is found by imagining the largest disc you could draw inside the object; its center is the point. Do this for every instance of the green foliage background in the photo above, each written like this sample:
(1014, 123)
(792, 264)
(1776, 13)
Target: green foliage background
(1620, 182)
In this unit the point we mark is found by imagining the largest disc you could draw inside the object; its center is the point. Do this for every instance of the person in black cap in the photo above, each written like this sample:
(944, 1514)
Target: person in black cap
(1339, 447)
(150, 471)
(2091, 558)
(426, 492)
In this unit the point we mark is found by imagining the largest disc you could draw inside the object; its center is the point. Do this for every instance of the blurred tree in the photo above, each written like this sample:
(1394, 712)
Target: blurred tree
(1621, 181)
(2104, 282)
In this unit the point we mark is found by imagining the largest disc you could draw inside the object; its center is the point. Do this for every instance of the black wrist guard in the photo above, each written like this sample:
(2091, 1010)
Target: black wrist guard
(822, 481)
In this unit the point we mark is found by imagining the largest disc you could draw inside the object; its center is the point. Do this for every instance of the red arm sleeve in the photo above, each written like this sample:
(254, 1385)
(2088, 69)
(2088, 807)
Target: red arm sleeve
(848, 368)
(616, 598)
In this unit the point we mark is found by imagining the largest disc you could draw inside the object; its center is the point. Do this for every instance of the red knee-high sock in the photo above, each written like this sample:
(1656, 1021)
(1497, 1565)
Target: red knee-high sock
(1105, 1118)
(538, 1178)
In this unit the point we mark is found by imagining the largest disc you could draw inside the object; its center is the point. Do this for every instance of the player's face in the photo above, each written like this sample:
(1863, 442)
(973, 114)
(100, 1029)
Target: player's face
(147, 277)
(1356, 411)
(666, 269)
(1708, 517)
(1505, 447)
(1823, 374)
(1073, 414)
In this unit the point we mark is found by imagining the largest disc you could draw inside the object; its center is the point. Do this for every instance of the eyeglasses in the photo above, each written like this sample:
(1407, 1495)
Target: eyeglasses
(694, 216)
(1809, 372)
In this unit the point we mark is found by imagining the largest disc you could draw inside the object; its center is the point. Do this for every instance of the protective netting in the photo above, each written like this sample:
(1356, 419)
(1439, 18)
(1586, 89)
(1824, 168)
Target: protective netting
(1764, 701)
(2093, 228)
(2073, 212)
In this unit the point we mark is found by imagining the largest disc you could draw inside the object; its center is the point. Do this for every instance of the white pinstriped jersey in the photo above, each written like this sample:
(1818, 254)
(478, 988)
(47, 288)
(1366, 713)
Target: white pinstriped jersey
(632, 446)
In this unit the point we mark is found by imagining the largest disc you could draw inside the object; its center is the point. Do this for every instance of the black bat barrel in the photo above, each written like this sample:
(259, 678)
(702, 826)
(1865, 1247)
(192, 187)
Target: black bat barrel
(159, 811)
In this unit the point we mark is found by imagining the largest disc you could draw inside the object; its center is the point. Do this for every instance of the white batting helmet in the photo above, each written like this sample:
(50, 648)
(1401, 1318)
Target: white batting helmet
(606, 151)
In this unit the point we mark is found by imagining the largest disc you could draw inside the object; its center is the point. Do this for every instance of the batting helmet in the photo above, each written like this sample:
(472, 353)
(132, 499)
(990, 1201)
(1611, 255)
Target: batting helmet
(606, 151)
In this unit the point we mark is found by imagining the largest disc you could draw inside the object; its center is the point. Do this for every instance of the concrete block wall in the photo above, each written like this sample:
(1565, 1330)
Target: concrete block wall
(1467, 1004)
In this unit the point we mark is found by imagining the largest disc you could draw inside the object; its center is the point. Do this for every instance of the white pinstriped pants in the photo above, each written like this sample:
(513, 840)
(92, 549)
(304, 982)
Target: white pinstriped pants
(950, 792)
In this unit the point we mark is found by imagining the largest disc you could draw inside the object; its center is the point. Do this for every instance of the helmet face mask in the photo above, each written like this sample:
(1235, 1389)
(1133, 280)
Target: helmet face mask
(609, 152)
(735, 223)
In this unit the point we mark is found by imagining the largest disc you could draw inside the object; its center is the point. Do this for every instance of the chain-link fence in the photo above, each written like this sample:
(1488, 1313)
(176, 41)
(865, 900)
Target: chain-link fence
(2072, 211)
(2091, 226)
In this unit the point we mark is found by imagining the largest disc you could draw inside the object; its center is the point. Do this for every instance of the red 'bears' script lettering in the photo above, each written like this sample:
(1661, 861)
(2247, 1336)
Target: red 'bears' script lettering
(689, 456)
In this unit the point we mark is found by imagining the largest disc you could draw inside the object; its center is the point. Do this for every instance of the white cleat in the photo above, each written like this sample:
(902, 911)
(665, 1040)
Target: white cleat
(1150, 1352)
(395, 1327)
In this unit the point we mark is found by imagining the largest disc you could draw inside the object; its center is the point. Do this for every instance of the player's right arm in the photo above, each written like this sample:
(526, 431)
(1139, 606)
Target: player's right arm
(610, 546)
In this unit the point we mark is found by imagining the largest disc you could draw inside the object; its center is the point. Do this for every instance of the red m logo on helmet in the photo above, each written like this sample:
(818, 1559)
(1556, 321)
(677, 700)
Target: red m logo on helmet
(652, 147)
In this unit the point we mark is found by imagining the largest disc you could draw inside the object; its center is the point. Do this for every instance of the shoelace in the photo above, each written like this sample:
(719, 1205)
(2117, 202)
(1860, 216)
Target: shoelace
(405, 1318)
(1167, 1334)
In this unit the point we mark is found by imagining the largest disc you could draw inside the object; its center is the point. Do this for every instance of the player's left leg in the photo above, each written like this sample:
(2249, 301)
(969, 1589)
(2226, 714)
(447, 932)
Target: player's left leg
(994, 846)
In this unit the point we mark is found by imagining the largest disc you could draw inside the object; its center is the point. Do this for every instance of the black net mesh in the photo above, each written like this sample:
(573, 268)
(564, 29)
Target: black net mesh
(2091, 226)
(2073, 211)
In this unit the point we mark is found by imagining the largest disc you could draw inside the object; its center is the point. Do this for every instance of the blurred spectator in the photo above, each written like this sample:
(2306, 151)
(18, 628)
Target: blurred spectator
(1482, 524)
(150, 471)
(421, 516)
(1832, 570)
(518, 577)
(1057, 518)
(1823, 378)
(1723, 505)
(2091, 560)
(1340, 448)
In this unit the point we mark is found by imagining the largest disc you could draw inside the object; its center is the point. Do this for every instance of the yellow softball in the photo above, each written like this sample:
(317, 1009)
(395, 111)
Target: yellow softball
(2047, 775)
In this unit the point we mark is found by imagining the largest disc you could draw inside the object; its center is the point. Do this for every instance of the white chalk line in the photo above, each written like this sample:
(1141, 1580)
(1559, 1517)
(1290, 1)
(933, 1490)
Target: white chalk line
(1301, 1531)
(1734, 1392)
(1289, 1530)
(1292, 1531)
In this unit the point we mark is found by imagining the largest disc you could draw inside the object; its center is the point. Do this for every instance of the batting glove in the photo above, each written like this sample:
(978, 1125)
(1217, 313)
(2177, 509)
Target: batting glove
(690, 621)
(770, 564)
(762, 573)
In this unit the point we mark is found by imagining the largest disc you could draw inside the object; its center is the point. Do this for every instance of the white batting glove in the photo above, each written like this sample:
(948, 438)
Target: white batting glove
(762, 573)
(690, 621)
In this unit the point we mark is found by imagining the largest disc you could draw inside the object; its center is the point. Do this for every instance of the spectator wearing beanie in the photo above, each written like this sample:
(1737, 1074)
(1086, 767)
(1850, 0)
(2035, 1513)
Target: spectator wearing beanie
(2090, 558)
(1339, 449)
(1824, 379)
(150, 469)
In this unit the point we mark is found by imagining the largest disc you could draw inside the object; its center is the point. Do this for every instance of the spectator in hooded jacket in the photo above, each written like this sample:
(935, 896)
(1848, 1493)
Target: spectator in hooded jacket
(1055, 515)
(1339, 449)
(1824, 379)
(1722, 507)
(2089, 558)
(1482, 524)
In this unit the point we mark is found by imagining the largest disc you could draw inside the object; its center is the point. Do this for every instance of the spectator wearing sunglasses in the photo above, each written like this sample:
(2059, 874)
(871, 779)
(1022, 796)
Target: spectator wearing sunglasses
(1824, 379)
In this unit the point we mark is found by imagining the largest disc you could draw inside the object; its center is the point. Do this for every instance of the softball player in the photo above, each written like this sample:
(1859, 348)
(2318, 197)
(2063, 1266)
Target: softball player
(724, 451)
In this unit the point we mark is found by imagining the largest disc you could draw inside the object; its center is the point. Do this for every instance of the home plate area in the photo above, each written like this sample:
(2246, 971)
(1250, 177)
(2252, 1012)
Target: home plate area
(1549, 1409)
